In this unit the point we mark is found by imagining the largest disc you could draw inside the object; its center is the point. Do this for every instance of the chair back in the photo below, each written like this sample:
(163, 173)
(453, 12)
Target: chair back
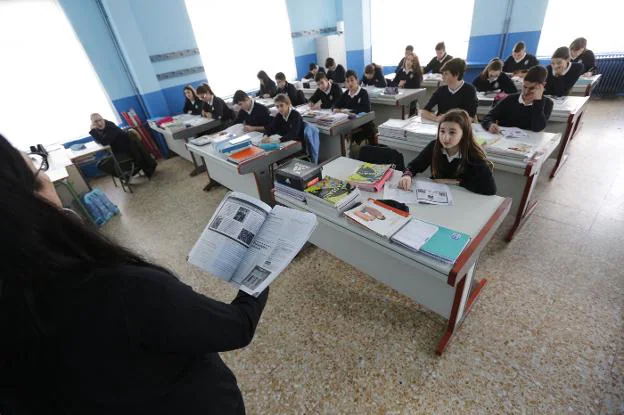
(381, 154)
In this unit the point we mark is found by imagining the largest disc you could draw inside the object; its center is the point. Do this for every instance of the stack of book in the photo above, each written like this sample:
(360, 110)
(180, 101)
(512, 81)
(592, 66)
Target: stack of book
(287, 191)
(233, 144)
(334, 192)
(394, 128)
(294, 177)
(371, 177)
(421, 132)
(322, 117)
(512, 149)
(246, 154)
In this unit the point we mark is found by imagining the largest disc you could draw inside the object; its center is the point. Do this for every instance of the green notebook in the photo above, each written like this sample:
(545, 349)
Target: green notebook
(445, 245)
(330, 190)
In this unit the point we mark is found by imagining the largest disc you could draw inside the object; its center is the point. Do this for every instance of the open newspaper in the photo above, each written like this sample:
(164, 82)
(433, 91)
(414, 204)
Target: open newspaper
(248, 243)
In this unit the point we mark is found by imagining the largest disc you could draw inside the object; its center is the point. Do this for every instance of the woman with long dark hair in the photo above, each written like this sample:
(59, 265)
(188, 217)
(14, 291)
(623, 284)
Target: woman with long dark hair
(88, 327)
(268, 88)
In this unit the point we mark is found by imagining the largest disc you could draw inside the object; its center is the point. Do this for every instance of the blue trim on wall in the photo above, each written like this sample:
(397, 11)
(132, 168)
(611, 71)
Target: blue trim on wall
(358, 59)
(303, 63)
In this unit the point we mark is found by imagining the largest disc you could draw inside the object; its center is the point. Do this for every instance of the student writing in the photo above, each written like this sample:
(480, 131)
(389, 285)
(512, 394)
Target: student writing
(192, 104)
(528, 110)
(335, 72)
(456, 94)
(580, 54)
(268, 89)
(562, 73)
(253, 115)
(285, 87)
(520, 61)
(214, 107)
(454, 157)
(441, 57)
(288, 122)
(326, 95)
(373, 76)
(492, 78)
(408, 49)
(313, 70)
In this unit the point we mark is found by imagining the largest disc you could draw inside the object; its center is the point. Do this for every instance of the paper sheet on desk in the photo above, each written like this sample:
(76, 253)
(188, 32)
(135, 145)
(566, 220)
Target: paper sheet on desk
(421, 192)
(513, 132)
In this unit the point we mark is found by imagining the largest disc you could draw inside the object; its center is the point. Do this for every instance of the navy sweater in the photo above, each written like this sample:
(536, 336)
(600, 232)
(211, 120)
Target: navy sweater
(377, 80)
(412, 79)
(504, 83)
(291, 91)
(465, 98)
(270, 89)
(359, 103)
(327, 100)
(219, 109)
(289, 130)
(337, 75)
(511, 113)
(588, 60)
(194, 108)
(435, 65)
(259, 116)
(561, 85)
(510, 65)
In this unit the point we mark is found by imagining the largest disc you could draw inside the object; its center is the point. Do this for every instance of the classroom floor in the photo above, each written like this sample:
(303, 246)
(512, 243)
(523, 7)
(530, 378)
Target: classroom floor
(545, 337)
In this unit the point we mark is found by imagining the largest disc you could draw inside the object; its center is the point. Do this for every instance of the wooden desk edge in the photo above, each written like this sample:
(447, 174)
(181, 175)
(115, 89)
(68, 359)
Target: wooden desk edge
(476, 245)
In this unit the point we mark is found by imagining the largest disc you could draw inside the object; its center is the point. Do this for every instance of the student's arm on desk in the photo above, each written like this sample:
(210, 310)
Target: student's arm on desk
(492, 118)
(418, 165)
(481, 181)
(427, 113)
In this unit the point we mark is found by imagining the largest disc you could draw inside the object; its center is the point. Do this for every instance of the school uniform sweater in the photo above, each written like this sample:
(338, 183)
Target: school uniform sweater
(526, 63)
(475, 176)
(503, 82)
(311, 76)
(378, 80)
(435, 65)
(561, 85)
(194, 108)
(337, 75)
(588, 60)
(270, 88)
(328, 99)
(259, 116)
(358, 103)
(399, 67)
(512, 112)
(291, 92)
(465, 98)
(290, 128)
(219, 109)
(411, 78)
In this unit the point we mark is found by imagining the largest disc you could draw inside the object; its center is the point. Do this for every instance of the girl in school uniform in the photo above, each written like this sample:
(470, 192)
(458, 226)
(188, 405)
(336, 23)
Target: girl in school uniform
(493, 78)
(411, 74)
(562, 73)
(580, 54)
(192, 104)
(454, 157)
(288, 122)
(441, 57)
(373, 76)
(520, 61)
(268, 89)
(214, 107)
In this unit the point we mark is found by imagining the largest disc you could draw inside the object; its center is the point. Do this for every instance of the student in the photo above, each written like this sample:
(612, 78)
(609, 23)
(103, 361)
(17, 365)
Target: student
(528, 110)
(493, 78)
(253, 115)
(313, 70)
(410, 76)
(580, 54)
(562, 73)
(214, 107)
(327, 93)
(409, 49)
(192, 104)
(335, 72)
(284, 87)
(373, 76)
(441, 57)
(455, 94)
(89, 327)
(268, 89)
(454, 157)
(520, 61)
(288, 122)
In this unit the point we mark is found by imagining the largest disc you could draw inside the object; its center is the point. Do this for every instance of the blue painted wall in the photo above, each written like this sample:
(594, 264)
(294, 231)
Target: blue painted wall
(356, 16)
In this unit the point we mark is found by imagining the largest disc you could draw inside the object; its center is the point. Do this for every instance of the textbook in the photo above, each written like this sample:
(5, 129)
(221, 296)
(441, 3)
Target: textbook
(378, 217)
(248, 244)
(246, 154)
(371, 177)
(228, 146)
(335, 192)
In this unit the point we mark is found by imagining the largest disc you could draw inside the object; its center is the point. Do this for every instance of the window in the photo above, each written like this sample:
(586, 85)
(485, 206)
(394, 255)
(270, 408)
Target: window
(397, 23)
(565, 21)
(239, 38)
(49, 88)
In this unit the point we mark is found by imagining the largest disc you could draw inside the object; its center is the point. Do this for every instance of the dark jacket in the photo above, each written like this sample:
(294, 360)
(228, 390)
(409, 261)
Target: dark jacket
(327, 100)
(219, 109)
(113, 136)
(504, 83)
(337, 75)
(194, 108)
(561, 85)
(435, 65)
(411, 78)
(511, 113)
(270, 89)
(290, 90)
(378, 80)
(511, 66)
(259, 116)
(588, 60)
(465, 98)
(359, 103)
(289, 130)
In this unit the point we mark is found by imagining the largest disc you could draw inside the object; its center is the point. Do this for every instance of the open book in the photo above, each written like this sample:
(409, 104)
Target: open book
(249, 244)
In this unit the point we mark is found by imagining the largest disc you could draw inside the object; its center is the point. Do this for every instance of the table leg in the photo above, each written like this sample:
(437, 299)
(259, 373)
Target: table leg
(264, 181)
(402, 112)
(211, 182)
(577, 124)
(526, 206)
(343, 146)
(562, 156)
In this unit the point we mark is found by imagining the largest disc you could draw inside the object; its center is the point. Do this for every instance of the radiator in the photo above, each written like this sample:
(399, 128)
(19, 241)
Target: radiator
(611, 66)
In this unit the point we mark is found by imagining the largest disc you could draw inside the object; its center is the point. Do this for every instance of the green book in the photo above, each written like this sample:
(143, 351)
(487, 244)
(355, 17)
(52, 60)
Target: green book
(330, 190)
(369, 173)
(445, 245)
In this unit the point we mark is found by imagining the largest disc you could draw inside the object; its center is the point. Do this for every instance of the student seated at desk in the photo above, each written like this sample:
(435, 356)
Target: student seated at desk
(327, 93)
(410, 76)
(192, 104)
(106, 133)
(313, 70)
(268, 89)
(285, 87)
(441, 57)
(456, 94)
(562, 73)
(373, 76)
(580, 54)
(214, 107)
(520, 61)
(454, 157)
(253, 115)
(492, 78)
(335, 72)
(288, 122)
(408, 50)
(528, 110)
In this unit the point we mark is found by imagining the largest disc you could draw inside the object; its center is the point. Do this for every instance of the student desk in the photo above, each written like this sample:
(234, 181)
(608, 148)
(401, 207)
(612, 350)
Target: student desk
(443, 288)
(514, 178)
(186, 127)
(253, 177)
(393, 106)
(585, 85)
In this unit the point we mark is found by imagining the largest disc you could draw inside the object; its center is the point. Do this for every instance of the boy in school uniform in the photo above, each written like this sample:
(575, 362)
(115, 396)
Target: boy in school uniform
(580, 54)
(455, 94)
(214, 107)
(335, 72)
(520, 61)
(253, 115)
(288, 122)
(284, 87)
(441, 57)
(327, 93)
(313, 69)
(562, 73)
(409, 49)
(373, 76)
(528, 109)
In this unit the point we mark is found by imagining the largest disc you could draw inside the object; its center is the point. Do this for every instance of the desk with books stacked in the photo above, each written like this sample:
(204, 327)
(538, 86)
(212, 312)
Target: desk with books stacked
(518, 157)
(236, 161)
(585, 85)
(429, 256)
(394, 105)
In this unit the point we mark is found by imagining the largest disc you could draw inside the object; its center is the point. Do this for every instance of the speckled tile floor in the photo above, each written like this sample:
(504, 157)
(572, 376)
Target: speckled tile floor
(546, 336)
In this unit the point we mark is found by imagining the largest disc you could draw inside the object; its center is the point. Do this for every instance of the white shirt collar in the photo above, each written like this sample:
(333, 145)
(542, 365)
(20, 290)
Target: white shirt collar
(442, 58)
(406, 71)
(453, 157)
(521, 100)
(287, 115)
(328, 89)
(453, 91)
(251, 107)
(211, 101)
(518, 60)
(356, 92)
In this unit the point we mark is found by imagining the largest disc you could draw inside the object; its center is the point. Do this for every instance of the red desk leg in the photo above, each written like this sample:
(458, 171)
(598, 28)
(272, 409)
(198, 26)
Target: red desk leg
(526, 206)
(402, 112)
(562, 156)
